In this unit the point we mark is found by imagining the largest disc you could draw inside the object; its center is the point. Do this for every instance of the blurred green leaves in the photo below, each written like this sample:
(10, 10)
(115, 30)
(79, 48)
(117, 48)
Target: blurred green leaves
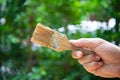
(19, 60)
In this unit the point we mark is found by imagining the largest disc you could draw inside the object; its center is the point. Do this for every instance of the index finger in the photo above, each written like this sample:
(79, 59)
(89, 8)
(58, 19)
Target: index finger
(90, 43)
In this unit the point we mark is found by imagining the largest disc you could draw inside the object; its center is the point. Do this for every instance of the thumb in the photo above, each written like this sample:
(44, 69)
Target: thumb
(90, 43)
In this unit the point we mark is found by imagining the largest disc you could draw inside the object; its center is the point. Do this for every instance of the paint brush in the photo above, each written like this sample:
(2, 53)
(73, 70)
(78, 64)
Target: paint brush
(48, 37)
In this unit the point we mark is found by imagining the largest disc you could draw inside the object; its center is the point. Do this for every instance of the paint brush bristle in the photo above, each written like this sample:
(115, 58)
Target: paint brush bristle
(50, 38)
(42, 35)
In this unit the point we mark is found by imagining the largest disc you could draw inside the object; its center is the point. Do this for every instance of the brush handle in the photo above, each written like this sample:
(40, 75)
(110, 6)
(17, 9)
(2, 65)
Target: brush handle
(85, 51)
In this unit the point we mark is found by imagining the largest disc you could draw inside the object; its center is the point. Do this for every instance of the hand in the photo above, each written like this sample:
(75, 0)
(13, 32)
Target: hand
(106, 61)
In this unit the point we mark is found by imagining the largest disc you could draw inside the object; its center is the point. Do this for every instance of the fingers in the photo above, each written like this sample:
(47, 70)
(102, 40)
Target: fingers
(88, 58)
(90, 62)
(85, 59)
(91, 43)
(92, 66)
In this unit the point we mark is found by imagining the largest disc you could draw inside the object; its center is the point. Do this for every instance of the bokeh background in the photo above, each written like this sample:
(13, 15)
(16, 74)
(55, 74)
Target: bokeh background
(20, 59)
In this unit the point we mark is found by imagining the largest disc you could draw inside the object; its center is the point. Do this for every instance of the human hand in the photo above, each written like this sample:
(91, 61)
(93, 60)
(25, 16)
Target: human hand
(106, 61)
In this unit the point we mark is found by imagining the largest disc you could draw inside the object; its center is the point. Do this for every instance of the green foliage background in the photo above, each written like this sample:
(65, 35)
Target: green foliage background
(18, 61)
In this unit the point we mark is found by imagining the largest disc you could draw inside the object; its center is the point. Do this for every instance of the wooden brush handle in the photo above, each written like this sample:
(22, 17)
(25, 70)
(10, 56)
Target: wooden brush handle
(85, 51)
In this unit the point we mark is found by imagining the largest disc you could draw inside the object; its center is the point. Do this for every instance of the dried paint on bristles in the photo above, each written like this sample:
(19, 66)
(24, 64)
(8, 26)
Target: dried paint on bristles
(42, 35)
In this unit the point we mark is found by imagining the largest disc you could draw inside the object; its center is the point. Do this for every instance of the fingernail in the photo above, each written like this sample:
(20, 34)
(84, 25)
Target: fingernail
(78, 54)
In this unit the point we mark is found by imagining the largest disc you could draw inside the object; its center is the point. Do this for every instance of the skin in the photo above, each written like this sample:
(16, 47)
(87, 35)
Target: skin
(105, 63)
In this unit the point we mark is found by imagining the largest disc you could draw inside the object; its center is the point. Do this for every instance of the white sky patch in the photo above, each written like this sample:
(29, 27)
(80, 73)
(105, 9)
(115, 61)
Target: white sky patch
(2, 21)
(62, 29)
(88, 25)
(35, 46)
(72, 28)
(5, 69)
(104, 26)
(111, 22)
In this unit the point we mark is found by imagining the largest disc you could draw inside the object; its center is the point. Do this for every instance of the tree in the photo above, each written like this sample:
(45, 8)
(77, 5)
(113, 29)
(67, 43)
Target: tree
(21, 59)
